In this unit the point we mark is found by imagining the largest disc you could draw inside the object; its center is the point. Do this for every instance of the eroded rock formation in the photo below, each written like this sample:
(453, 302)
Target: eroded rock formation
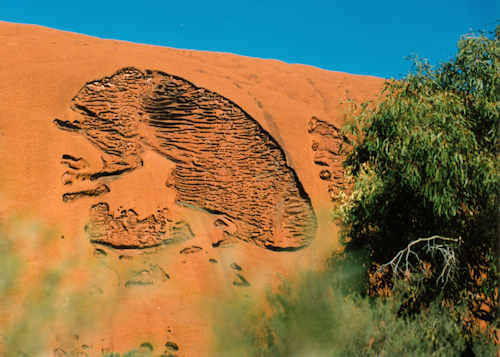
(226, 163)
(127, 231)
(328, 144)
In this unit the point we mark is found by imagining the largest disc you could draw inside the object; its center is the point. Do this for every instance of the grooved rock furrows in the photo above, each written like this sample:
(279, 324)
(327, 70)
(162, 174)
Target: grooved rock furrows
(226, 163)
(327, 145)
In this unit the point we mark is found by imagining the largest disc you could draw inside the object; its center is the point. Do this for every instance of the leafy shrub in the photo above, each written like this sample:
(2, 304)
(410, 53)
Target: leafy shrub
(425, 163)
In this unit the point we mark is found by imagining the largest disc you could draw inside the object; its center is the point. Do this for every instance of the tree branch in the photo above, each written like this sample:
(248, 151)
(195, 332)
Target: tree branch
(435, 246)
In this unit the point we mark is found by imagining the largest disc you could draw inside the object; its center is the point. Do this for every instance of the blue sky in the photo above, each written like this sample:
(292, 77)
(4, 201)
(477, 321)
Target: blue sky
(362, 37)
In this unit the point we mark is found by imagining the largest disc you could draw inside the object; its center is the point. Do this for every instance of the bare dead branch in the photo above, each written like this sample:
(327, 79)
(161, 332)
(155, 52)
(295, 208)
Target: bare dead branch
(436, 246)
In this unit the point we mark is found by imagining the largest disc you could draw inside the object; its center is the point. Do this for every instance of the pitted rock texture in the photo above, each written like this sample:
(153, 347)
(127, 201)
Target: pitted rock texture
(226, 163)
(328, 144)
(127, 231)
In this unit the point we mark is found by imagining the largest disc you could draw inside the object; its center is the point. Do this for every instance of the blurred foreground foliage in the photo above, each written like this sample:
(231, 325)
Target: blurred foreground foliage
(326, 314)
(25, 307)
(35, 300)
(31, 297)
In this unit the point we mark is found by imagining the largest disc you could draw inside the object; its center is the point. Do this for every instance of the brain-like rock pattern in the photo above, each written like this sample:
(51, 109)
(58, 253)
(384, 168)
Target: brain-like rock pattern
(226, 163)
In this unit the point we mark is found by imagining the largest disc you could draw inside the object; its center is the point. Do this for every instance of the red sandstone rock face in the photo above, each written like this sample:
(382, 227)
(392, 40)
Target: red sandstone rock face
(173, 167)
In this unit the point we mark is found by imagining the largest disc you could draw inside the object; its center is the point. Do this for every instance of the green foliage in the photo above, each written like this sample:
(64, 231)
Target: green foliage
(316, 316)
(426, 155)
(425, 162)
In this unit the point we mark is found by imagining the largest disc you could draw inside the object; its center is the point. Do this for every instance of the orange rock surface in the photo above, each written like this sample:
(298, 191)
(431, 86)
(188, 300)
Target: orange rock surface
(171, 166)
